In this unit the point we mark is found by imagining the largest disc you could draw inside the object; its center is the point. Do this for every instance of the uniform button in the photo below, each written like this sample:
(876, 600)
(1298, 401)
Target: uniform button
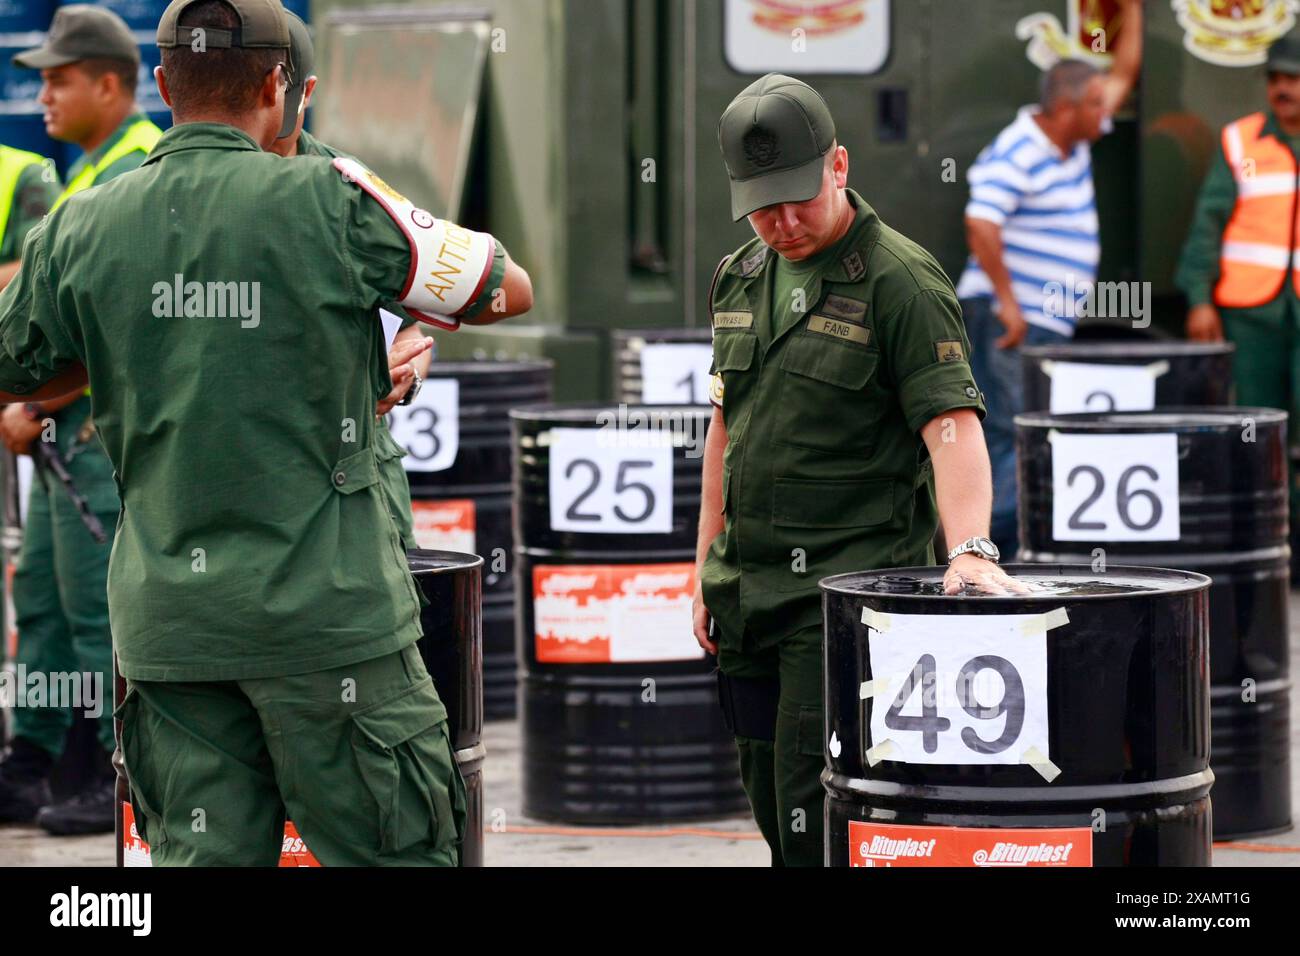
(340, 477)
(971, 391)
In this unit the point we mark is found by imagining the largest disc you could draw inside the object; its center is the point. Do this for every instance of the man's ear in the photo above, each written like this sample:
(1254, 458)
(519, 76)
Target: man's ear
(308, 90)
(161, 79)
(272, 93)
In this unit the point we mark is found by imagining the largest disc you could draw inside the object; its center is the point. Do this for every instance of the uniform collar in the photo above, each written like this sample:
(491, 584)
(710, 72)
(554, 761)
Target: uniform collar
(1273, 128)
(849, 267)
(201, 136)
(100, 151)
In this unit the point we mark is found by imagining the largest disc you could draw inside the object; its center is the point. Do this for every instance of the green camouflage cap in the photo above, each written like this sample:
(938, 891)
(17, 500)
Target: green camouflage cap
(81, 32)
(1284, 55)
(302, 60)
(774, 137)
(262, 23)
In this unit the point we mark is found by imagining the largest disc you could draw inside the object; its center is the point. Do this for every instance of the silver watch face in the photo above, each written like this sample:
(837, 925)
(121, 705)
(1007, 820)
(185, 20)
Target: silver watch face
(987, 548)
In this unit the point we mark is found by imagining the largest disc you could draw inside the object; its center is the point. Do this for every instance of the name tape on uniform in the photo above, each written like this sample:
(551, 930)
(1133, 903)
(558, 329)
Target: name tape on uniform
(850, 331)
(733, 320)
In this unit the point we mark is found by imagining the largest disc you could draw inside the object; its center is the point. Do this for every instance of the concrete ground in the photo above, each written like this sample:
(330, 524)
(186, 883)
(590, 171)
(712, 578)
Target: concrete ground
(518, 841)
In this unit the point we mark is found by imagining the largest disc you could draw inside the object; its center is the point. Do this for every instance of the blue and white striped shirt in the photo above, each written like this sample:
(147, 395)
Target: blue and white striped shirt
(1048, 214)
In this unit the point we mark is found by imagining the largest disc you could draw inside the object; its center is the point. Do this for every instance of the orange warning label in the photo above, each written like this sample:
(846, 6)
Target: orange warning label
(882, 844)
(606, 614)
(293, 852)
(445, 525)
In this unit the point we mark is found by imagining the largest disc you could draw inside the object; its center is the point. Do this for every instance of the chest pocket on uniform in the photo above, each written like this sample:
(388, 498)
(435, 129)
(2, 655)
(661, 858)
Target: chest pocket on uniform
(733, 352)
(825, 403)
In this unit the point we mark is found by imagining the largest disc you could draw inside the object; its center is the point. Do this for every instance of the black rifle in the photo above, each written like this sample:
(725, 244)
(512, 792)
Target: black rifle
(46, 456)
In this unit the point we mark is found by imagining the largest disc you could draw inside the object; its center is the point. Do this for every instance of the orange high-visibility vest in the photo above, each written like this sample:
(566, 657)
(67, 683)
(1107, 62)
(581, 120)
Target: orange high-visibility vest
(1258, 250)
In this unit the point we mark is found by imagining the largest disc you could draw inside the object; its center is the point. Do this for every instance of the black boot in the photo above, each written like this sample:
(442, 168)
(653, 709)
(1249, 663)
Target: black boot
(24, 781)
(90, 811)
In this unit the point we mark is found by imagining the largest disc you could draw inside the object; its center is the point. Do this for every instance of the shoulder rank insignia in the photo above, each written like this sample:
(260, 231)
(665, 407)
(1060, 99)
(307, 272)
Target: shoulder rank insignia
(751, 265)
(853, 266)
(949, 350)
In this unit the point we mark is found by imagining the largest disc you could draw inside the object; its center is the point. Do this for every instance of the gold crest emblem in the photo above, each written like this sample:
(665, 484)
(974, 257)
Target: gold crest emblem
(1234, 32)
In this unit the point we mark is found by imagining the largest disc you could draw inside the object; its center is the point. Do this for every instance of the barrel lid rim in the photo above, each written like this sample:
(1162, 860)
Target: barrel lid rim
(1094, 421)
(534, 411)
(487, 366)
(1155, 348)
(456, 560)
(1195, 582)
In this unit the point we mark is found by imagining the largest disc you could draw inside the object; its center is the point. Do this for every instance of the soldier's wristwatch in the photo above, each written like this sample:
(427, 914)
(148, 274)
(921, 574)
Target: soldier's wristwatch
(980, 547)
(414, 390)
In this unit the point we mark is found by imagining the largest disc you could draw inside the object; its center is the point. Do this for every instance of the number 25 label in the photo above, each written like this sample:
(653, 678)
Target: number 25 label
(610, 487)
(1114, 487)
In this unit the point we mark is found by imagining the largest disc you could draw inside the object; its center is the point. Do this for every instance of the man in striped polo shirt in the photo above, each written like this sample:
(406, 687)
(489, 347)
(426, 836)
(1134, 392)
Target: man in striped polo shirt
(1031, 225)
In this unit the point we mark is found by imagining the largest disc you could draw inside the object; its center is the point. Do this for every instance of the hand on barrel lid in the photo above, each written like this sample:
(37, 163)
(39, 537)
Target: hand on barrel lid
(981, 575)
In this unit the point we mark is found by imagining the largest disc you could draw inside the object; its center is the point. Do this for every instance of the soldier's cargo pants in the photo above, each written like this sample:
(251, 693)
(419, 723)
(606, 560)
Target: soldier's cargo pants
(359, 757)
(60, 594)
(780, 763)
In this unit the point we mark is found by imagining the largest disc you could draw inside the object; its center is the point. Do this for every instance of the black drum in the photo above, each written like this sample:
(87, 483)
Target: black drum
(1201, 489)
(621, 722)
(1066, 727)
(662, 366)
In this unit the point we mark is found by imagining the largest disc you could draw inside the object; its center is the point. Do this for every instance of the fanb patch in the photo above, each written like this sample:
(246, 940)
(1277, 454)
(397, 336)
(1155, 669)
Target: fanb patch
(949, 350)
(844, 308)
(853, 266)
(852, 331)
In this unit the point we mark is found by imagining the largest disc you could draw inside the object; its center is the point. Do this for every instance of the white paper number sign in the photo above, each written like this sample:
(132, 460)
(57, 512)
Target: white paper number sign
(675, 373)
(1078, 387)
(429, 428)
(957, 689)
(610, 481)
(1114, 487)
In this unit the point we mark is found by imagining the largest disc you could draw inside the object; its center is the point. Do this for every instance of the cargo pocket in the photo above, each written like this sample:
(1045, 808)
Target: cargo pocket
(852, 503)
(824, 402)
(808, 736)
(354, 472)
(733, 352)
(144, 796)
(404, 754)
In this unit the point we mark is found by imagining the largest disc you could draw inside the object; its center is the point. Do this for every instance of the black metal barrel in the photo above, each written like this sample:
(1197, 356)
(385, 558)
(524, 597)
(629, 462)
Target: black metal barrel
(1066, 727)
(1218, 478)
(1185, 373)
(619, 704)
(466, 506)
(452, 649)
(661, 366)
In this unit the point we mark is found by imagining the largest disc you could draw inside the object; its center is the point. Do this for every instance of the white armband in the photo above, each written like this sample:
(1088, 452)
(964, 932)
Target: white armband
(449, 264)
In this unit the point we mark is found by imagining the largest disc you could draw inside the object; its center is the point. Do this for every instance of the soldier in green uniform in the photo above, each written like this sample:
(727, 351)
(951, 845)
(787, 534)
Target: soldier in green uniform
(263, 612)
(407, 375)
(846, 424)
(29, 186)
(88, 65)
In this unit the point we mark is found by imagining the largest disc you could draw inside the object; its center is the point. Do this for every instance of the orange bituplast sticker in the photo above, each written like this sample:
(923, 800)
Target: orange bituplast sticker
(445, 525)
(610, 614)
(293, 852)
(884, 844)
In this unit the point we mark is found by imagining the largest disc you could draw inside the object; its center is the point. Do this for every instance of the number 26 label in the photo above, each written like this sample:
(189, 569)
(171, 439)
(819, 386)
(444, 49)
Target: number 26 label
(1114, 487)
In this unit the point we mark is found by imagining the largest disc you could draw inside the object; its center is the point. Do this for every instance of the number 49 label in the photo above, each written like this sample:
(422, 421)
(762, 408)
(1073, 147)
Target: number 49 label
(958, 689)
(1114, 487)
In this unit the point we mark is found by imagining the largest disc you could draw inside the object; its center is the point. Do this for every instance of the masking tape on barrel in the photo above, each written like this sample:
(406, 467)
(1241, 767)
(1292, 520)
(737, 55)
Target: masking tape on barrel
(880, 751)
(871, 688)
(1044, 622)
(876, 620)
(1048, 366)
(1038, 760)
(1156, 369)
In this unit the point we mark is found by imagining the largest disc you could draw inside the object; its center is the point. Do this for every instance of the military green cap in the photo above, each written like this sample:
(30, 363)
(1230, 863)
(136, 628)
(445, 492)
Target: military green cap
(82, 32)
(262, 23)
(302, 60)
(774, 137)
(1284, 55)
